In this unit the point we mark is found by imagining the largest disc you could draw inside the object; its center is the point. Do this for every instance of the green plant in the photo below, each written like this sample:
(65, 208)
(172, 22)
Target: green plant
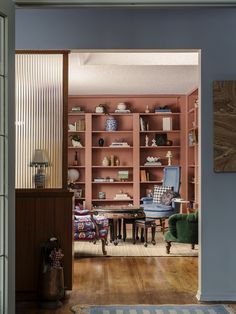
(75, 137)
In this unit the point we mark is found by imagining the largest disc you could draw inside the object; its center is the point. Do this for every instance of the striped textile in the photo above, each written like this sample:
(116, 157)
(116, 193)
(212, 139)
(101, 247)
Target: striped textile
(154, 309)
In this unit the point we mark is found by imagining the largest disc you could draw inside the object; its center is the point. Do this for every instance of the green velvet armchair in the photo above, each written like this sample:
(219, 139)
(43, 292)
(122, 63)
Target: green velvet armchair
(183, 228)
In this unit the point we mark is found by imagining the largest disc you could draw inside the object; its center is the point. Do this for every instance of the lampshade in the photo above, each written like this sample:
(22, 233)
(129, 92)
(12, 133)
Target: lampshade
(39, 157)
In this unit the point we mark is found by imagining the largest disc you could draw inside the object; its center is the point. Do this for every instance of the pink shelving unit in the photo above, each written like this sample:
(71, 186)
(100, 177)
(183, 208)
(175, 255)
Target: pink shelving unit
(131, 158)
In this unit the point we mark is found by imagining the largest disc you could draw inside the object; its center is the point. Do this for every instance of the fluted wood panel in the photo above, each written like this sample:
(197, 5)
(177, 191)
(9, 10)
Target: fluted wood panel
(39, 115)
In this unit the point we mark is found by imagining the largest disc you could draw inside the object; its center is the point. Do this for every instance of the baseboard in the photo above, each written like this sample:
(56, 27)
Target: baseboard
(215, 297)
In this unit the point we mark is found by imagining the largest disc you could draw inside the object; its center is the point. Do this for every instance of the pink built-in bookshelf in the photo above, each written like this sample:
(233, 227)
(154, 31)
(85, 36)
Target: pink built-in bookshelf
(141, 178)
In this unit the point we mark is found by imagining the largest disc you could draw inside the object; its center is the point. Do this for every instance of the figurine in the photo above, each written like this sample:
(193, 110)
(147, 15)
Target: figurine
(147, 109)
(154, 143)
(169, 156)
(146, 140)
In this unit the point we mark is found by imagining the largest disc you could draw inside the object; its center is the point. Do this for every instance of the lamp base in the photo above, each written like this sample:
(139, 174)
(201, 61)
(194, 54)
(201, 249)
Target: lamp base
(39, 179)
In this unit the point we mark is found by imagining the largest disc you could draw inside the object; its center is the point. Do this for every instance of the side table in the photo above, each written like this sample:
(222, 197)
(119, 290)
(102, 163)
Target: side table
(144, 225)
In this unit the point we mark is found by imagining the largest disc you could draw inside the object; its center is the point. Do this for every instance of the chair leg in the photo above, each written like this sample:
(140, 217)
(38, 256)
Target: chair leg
(168, 245)
(124, 230)
(145, 236)
(192, 246)
(133, 232)
(119, 228)
(142, 237)
(104, 252)
(111, 231)
(153, 235)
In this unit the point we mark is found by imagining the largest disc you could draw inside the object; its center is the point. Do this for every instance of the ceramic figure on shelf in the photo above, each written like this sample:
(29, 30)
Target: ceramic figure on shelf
(154, 143)
(111, 124)
(101, 142)
(72, 127)
(146, 140)
(117, 161)
(75, 140)
(169, 156)
(121, 106)
(106, 161)
(147, 109)
(112, 159)
(100, 108)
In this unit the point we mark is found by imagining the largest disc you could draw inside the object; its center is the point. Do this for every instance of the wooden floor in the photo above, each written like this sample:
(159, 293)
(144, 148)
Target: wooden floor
(129, 280)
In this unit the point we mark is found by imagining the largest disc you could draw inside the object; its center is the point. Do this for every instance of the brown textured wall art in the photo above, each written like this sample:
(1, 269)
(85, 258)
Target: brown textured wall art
(224, 99)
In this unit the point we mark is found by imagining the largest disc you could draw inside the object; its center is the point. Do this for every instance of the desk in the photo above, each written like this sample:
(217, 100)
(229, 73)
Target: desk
(119, 212)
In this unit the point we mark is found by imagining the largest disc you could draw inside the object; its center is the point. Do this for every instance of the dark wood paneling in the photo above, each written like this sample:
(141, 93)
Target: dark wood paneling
(41, 214)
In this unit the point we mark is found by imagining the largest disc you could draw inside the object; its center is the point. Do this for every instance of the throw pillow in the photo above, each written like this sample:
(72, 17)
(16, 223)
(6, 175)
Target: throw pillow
(166, 198)
(158, 191)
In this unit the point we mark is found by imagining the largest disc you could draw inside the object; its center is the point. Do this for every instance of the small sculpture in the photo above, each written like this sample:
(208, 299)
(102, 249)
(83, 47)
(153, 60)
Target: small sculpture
(169, 156)
(147, 109)
(154, 143)
(146, 140)
(56, 256)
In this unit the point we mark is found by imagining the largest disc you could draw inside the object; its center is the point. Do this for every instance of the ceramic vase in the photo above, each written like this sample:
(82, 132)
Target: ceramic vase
(101, 142)
(106, 161)
(111, 124)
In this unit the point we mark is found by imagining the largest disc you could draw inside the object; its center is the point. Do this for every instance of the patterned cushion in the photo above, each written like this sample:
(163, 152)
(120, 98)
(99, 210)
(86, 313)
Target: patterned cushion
(101, 221)
(88, 235)
(103, 233)
(83, 223)
(166, 198)
(158, 191)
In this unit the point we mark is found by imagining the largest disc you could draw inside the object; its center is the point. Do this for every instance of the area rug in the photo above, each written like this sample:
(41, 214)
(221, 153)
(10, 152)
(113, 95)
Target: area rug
(127, 248)
(153, 309)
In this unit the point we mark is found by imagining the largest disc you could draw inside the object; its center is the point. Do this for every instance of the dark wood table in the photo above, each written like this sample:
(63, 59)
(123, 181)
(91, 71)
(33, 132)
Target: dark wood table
(117, 212)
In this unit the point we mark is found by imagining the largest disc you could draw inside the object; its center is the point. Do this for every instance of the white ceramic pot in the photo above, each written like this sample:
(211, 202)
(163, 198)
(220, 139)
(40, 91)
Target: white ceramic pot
(121, 106)
(76, 143)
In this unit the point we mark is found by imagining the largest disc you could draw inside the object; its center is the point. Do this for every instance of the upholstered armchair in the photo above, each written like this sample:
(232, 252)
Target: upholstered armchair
(90, 227)
(165, 206)
(183, 228)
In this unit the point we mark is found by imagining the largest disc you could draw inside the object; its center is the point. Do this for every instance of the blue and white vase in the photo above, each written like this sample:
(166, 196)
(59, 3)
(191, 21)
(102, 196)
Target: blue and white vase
(111, 124)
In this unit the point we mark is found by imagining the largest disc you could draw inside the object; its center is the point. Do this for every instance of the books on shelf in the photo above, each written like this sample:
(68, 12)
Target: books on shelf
(122, 196)
(167, 123)
(144, 176)
(122, 111)
(80, 125)
(153, 164)
(103, 180)
(119, 144)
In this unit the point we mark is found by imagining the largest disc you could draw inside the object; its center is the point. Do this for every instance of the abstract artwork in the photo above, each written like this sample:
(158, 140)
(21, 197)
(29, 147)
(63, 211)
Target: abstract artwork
(224, 100)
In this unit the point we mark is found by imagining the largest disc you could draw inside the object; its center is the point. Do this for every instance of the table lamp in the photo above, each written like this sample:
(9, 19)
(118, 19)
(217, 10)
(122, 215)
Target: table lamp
(39, 162)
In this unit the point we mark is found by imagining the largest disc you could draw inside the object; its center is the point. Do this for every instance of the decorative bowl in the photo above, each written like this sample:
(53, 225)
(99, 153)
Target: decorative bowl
(152, 159)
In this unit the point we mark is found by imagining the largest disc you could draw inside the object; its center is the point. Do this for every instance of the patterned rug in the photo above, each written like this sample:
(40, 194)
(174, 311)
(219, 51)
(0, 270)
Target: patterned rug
(127, 248)
(153, 309)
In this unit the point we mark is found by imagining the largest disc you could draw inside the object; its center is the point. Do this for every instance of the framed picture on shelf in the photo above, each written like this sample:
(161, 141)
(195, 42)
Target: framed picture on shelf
(161, 139)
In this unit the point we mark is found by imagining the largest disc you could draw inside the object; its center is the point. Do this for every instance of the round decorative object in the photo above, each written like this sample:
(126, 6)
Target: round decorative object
(101, 142)
(121, 106)
(111, 124)
(73, 175)
(100, 108)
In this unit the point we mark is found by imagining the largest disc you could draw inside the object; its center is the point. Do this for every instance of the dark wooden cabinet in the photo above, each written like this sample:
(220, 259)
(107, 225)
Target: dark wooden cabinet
(41, 214)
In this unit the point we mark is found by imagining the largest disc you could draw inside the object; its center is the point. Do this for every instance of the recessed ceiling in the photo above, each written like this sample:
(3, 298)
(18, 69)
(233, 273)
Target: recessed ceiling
(132, 73)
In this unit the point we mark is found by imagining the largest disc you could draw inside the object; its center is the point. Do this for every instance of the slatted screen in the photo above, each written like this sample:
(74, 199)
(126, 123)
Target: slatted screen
(39, 115)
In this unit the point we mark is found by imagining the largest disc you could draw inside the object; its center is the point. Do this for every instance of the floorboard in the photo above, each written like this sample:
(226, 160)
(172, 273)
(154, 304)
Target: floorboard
(129, 280)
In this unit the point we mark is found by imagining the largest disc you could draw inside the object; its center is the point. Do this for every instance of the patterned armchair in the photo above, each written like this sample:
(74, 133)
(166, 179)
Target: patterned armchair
(90, 227)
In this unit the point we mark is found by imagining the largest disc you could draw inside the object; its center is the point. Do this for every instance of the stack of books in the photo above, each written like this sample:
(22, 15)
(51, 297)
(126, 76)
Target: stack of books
(122, 111)
(162, 110)
(153, 163)
(80, 125)
(144, 176)
(122, 196)
(103, 180)
(119, 144)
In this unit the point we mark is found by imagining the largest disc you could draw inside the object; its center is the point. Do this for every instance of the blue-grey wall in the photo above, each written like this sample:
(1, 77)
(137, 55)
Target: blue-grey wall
(210, 29)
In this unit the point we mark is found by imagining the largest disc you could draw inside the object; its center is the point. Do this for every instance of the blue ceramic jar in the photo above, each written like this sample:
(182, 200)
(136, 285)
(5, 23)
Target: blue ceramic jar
(111, 124)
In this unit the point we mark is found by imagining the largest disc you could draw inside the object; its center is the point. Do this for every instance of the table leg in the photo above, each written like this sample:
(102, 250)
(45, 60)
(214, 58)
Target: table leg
(153, 235)
(115, 222)
(119, 227)
(145, 236)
